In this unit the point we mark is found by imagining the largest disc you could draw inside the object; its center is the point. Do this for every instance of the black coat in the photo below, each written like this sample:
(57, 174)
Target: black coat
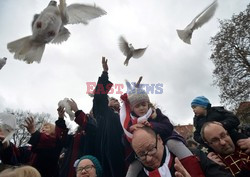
(109, 147)
(229, 121)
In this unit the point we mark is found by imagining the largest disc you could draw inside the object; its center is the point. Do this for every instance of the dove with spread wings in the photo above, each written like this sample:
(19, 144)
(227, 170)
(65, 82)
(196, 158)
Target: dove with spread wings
(129, 51)
(2, 62)
(49, 26)
(197, 22)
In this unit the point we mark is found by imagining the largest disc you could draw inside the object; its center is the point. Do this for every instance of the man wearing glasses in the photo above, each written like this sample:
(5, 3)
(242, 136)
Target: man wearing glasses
(151, 152)
(235, 157)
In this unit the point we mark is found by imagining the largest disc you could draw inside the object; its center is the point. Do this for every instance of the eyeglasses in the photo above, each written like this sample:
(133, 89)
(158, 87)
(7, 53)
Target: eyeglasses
(151, 152)
(217, 140)
(86, 168)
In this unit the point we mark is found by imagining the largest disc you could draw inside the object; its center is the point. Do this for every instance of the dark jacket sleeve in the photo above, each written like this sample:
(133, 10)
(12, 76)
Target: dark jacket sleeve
(230, 121)
(161, 125)
(81, 119)
(197, 136)
(15, 156)
(100, 102)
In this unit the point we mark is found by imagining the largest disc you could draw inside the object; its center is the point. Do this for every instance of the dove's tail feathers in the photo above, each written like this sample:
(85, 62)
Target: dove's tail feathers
(27, 50)
(82, 13)
(126, 62)
(62, 36)
(183, 35)
(139, 52)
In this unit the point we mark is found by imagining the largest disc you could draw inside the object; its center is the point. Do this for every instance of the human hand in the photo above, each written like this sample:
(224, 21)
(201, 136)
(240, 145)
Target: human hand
(73, 105)
(212, 156)
(105, 64)
(61, 112)
(30, 125)
(180, 170)
(146, 123)
(135, 127)
(244, 144)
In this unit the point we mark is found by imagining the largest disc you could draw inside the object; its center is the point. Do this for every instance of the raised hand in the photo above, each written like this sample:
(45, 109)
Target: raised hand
(105, 64)
(61, 112)
(73, 105)
(30, 125)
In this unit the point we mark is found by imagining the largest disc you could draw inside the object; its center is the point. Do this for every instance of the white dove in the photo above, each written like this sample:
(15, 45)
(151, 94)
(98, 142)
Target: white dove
(197, 22)
(64, 103)
(7, 125)
(48, 26)
(129, 51)
(2, 62)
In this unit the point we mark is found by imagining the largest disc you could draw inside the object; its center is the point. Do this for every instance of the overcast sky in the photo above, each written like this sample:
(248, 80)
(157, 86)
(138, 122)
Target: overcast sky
(184, 70)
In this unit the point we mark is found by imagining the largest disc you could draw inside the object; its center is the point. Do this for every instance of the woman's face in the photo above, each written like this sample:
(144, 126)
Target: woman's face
(141, 109)
(86, 168)
(46, 129)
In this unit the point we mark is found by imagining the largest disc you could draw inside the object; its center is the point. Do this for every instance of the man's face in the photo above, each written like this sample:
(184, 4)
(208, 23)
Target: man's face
(114, 103)
(199, 111)
(218, 139)
(148, 148)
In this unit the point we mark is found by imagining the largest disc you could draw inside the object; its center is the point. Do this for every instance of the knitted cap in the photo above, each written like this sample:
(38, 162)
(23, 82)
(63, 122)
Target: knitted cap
(201, 101)
(137, 94)
(94, 160)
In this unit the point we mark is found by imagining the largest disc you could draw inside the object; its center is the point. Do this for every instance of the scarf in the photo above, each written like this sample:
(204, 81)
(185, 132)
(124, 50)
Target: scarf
(126, 118)
(162, 171)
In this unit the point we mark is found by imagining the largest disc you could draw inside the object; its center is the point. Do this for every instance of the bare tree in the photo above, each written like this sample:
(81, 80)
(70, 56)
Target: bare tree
(22, 136)
(231, 56)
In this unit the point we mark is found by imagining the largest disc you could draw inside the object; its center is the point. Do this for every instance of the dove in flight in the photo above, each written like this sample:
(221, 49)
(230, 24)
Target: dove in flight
(2, 62)
(7, 125)
(48, 26)
(197, 22)
(129, 51)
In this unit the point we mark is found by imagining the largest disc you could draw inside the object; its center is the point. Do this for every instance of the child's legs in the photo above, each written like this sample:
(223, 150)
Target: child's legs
(134, 169)
(178, 148)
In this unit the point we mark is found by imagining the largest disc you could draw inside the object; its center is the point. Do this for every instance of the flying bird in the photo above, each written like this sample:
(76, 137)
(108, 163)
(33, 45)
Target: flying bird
(2, 62)
(64, 103)
(197, 22)
(49, 26)
(129, 51)
(7, 125)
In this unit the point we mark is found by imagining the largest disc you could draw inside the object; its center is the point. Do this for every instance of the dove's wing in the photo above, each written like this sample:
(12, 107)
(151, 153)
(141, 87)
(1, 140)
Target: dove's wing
(139, 52)
(63, 12)
(81, 13)
(204, 16)
(123, 44)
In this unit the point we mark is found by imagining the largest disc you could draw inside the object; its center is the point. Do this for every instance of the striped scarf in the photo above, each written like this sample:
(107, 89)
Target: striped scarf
(126, 118)
(162, 171)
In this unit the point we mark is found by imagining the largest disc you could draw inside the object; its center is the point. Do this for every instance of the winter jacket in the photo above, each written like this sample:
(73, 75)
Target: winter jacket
(229, 121)
(79, 144)
(109, 147)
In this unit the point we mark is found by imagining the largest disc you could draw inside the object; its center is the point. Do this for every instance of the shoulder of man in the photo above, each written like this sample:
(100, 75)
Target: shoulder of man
(220, 109)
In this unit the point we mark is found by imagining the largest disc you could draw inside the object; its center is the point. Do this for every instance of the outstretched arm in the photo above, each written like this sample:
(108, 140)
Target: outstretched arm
(103, 86)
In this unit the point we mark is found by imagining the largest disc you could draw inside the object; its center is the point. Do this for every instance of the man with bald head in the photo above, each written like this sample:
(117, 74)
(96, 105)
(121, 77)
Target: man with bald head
(151, 152)
(236, 159)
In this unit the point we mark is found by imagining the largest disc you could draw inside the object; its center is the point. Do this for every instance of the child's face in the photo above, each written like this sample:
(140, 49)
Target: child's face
(199, 111)
(46, 129)
(141, 109)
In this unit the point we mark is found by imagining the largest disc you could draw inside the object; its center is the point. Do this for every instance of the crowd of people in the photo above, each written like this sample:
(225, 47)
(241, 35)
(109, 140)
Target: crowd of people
(134, 140)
